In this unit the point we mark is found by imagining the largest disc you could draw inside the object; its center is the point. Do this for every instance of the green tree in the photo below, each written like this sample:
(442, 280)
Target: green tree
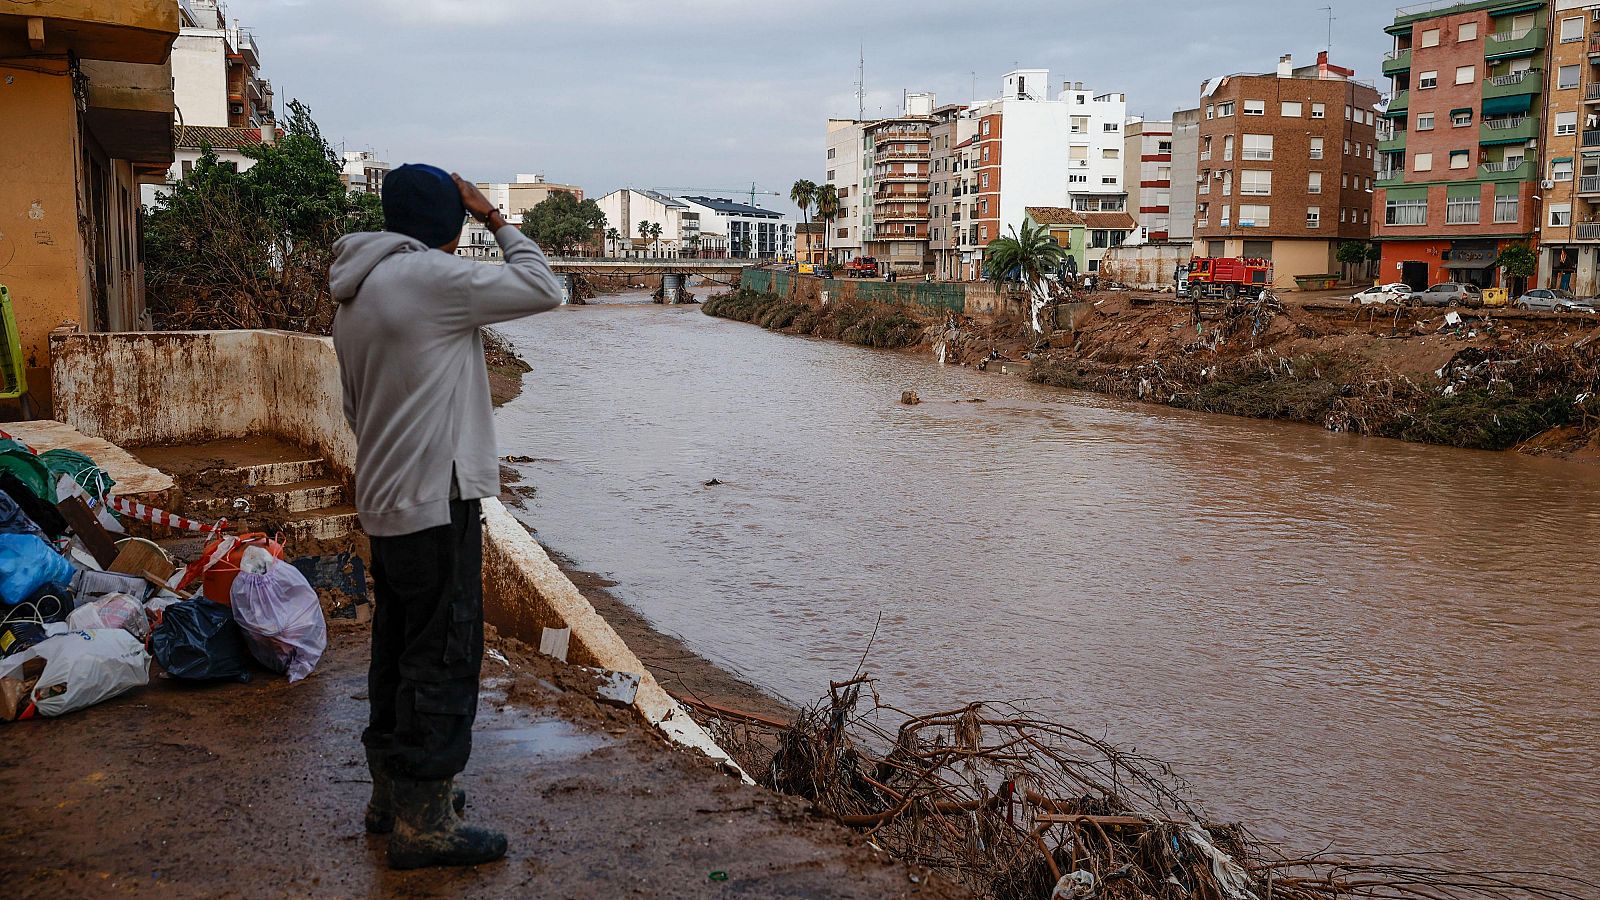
(827, 203)
(613, 238)
(1024, 257)
(1352, 253)
(655, 235)
(230, 249)
(560, 222)
(644, 229)
(804, 193)
(1519, 263)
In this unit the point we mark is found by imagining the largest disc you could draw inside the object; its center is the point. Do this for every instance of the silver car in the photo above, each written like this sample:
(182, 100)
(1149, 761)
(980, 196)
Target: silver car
(1554, 300)
(1449, 293)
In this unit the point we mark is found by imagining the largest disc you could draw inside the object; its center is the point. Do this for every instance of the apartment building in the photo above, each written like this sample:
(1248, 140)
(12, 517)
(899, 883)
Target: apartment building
(626, 208)
(846, 237)
(216, 70)
(362, 170)
(1185, 174)
(1569, 221)
(512, 198)
(1286, 162)
(1147, 175)
(895, 191)
(1034, 150)
(752, 232)
(947, 223)
(1459, 165)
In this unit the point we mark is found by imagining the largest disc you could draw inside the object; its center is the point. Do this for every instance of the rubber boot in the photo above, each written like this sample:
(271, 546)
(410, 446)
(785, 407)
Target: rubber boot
(380, 809)
(427, 831)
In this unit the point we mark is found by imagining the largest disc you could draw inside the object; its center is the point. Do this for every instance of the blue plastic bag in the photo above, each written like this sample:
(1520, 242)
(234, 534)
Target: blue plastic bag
(27, 563)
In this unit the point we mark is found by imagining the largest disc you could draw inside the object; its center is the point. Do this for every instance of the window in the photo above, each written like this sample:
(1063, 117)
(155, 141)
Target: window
(1349, 113)
(985, 152)
(1428, 80)
(1422, 162)
(1251, 215)
(1110, 153)
(1366, 217)
(1459, 159)
(1314, 183)
(1110, 126)
(983, 180)
(984, 127)
(1466, 74)
(1313, 217)
(830, 153)
(1346, 148)
(1424, 122)
(1291, 109)
(1080, 124)
(1210, 110)
(1566, 123)
(1342, 212)
(1205, 147)
(1227, 183)
(1461, 118)
(1344, 180)
(1316, 148)
(1430, 38)
(1561, 170)
(1567, 77)
(1163, 147)
(1205, 182)
(1256, 182)
(1108, 179)
(1255, 107)
(1077, 178)
(1405, 212)
(1505, 209)
(1227, 147)
(1224, 110)
(1257, 146)
(830, 174)
(1571, 29)
(1560, 215)
(1225, 210)
(1318, 111)
(1467, 32)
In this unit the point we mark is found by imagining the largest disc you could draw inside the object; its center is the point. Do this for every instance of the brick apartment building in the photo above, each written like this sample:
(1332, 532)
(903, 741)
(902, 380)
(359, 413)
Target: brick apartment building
(1286, 161)
(1459, 167)
(1147, 175)
(1569, 250)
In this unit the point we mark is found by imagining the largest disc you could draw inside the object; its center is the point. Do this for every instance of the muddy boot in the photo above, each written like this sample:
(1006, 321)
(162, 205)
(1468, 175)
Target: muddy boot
(380, 809)
(427, 831)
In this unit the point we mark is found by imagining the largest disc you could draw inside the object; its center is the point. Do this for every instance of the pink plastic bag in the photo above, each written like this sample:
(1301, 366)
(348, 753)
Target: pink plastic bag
(112, 611)
(281, 619)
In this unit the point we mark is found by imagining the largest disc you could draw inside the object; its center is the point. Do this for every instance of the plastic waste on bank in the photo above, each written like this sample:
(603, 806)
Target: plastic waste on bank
(112, 611)
(26, 564)
(279, 613)
(218, 564)
(82, 668)
(13, 520)
(199, 640)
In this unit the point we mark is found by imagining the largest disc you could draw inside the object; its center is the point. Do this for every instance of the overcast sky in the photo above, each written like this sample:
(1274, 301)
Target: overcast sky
(715, 94)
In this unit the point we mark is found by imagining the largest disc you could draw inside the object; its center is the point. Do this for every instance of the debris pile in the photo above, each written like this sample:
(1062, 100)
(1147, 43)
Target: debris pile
(1013, 806)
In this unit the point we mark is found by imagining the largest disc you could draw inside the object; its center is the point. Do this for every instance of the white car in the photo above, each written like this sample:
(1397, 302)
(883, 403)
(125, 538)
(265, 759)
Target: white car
(1383, 294)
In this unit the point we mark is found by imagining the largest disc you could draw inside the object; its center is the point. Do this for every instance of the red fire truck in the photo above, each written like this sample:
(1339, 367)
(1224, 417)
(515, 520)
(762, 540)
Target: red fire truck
(1225, 277)
(861, 267)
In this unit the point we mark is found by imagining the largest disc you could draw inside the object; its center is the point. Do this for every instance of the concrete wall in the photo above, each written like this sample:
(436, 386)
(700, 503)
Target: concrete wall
(186, 387)
(200, 77)
(935, 295)
(1147, 266)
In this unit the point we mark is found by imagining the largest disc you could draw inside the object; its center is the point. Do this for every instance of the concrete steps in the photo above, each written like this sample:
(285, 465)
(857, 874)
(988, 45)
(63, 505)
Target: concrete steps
(274, 498)
(299, 497)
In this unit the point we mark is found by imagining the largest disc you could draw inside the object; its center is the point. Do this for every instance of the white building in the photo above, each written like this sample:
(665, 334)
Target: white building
(846, 142)
(752, 231)
(626, 208)
(363, 171)
(216, 70)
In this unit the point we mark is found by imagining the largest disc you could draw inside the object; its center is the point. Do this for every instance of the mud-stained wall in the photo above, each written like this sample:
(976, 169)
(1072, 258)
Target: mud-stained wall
(143, 388)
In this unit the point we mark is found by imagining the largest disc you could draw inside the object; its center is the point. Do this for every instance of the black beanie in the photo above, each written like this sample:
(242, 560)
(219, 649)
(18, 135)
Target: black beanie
(423, 202)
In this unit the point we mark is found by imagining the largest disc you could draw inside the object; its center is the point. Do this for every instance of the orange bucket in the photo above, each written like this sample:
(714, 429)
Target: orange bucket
(218, 565)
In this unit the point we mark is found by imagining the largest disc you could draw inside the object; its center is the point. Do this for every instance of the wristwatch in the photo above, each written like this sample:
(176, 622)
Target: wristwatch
(487, 216)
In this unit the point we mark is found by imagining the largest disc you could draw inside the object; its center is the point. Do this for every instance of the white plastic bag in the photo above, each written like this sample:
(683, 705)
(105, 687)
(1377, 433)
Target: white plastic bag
(281, 618)
(112, 611)
(83, 668)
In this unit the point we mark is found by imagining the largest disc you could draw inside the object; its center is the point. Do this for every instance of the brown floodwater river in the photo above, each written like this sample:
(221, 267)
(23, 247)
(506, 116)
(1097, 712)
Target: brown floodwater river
(1378, 645)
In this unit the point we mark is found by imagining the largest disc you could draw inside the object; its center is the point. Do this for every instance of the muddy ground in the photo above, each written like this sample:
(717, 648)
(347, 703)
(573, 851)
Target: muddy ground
(256, 790)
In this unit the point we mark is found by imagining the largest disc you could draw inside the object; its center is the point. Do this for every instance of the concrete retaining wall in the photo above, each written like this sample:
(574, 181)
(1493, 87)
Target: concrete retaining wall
(142, 388)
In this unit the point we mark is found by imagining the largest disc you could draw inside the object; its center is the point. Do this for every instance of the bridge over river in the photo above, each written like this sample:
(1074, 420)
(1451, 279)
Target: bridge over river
(673, 272)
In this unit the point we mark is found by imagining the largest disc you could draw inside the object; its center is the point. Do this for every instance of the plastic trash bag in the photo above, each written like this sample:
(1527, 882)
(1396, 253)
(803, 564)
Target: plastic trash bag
(112, 611)
(198, 640)
(280, 615)
(26, 564)
(13, 520)
(83, 668)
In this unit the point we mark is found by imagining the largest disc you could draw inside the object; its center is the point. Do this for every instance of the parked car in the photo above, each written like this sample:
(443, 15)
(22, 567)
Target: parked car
(1379, 295)
(1449, 293)
(1554, 300)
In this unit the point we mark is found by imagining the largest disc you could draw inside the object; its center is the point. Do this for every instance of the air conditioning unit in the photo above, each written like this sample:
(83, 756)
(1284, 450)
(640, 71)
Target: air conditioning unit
(1533, 144)
(1547, 184)
(1217, 175)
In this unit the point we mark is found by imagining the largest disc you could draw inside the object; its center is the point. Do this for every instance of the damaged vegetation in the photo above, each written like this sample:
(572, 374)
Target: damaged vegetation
(881, 325)
(1017, 808)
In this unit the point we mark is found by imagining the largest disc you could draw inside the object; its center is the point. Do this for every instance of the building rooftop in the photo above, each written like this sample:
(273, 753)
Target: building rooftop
(1053, 215)
(196, 136)
(661, 198)
(1417, 12)
(1113, 220)
(729, 207)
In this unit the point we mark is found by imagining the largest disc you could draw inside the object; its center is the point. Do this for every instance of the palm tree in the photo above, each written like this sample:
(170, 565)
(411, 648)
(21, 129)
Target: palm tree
(827, 201)
(655, 235)
(1025, 257)
(613, 238)
(804, 193)
(644, 229)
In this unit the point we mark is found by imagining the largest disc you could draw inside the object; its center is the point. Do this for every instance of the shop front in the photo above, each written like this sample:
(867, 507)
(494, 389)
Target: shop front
(1472, 262)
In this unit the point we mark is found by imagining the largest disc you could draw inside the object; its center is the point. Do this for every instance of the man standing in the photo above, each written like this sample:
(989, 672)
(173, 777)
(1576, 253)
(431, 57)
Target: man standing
(416, 394)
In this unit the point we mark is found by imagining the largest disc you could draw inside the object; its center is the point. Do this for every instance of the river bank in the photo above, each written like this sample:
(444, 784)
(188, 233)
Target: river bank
(1475, 379)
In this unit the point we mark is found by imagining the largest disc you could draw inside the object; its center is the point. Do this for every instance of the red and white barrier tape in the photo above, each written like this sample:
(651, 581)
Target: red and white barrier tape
(161, 517)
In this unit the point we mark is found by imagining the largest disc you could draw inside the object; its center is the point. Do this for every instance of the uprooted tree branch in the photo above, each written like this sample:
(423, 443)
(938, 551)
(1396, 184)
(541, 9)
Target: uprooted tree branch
(1013, 806)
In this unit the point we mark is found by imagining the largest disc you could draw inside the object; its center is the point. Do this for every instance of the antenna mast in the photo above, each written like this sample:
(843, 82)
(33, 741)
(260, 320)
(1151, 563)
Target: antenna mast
(1329, 11)
(861, 83)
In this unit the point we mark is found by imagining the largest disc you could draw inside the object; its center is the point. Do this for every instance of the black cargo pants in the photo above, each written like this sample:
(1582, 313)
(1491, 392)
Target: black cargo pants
(427, 646)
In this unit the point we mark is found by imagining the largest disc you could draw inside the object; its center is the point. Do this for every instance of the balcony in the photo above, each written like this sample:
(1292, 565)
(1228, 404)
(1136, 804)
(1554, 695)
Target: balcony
(1503, 44)
(896, 135)
(1396, 61)
(1398, 104)
(893, 196)
(1592, 92)
(1587, 231)
(1589, 184)
(1391, 141)
(910, 155)
(1509, 130)
(1530, 81)
(1507, 170)
(1591, 138)
(1390, 177)
(901, 215)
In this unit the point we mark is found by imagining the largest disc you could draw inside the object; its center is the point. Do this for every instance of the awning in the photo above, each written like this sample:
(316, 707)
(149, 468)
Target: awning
(1504, 106)
(1461, 109)
(1470, 264)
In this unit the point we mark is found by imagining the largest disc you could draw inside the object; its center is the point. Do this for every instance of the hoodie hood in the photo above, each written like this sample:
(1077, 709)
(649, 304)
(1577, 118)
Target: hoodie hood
(356, 255)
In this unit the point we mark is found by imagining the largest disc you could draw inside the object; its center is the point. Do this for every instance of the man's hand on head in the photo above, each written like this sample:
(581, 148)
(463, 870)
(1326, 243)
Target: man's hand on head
(478, 206)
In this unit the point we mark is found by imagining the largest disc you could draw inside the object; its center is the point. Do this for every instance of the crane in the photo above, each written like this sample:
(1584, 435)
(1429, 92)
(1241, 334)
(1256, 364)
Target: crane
(752, 191)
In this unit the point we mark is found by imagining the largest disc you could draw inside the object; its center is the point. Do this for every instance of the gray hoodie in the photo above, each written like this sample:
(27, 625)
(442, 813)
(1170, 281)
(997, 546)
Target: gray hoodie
(416, 393)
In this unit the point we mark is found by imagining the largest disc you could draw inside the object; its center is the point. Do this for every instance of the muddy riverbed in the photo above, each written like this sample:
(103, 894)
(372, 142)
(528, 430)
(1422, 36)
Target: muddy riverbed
(1381, 645)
